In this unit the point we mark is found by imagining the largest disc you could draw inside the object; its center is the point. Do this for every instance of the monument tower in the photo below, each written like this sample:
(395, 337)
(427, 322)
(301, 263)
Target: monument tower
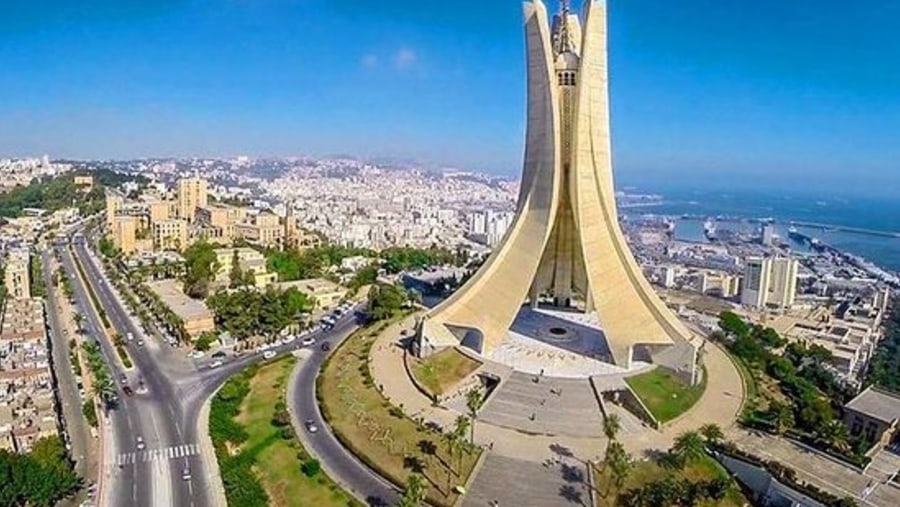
(565, 249)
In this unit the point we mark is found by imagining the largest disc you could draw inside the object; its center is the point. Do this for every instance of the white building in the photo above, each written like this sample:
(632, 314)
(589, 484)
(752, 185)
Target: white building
(769, 281)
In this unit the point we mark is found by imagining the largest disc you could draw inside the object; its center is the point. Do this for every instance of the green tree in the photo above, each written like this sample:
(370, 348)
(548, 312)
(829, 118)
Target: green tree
(619, 463)
(733, 324)
(385, 301)
(712, 433)
(689, 447)
(414, 492)
(236, 276)
(200, 269)
(474, 399)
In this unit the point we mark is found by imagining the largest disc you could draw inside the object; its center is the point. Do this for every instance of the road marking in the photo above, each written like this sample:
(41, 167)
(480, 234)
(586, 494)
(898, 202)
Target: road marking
(155, 455)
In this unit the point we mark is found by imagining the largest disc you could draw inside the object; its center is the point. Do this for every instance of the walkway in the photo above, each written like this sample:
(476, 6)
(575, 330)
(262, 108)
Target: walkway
(559, 482)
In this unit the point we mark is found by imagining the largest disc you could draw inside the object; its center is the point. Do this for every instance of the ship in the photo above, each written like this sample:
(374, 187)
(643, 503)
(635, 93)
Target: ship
(709, 230)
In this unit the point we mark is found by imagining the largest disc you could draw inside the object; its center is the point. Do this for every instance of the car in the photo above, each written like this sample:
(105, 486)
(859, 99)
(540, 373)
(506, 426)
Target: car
(128, 391)
(308, 341)
(311, 426)
(124, 379)
(130, 337)
(269, 354)
(216, 364)
(326, 346)
(289, 338)
(140, 343)
(220, 355)
(186, 474)
(140, 443)
(196, 354)
(171, 341)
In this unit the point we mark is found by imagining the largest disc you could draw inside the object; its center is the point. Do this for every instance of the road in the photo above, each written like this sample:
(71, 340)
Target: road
(81, 442)
(337, 461)
(166, 416)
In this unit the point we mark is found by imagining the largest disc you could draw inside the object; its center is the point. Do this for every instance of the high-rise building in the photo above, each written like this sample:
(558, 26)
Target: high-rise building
(769, 281)
(565, 249)
(783, 288)
(124, 234)
(767, 234)
(115, 201)
(192, 194)
(17, 273)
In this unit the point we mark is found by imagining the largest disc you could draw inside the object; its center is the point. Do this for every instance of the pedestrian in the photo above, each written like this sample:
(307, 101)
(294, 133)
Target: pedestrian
(542, 372)
(532, 416)
(544, 400)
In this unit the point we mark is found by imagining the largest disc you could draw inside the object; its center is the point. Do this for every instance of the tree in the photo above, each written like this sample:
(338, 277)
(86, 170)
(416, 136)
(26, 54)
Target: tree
(712, 433)
(733, 324)
(836, 435)
(385, 301)
(414, 492)
(689, 447)
(236, 276)
(619, 463)
(200, 269)
(474, 399)
(782, 416)
(611, 426)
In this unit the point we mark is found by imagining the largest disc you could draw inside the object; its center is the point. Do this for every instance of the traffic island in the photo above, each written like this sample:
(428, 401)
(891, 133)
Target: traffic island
(381, 434)
(261, 460)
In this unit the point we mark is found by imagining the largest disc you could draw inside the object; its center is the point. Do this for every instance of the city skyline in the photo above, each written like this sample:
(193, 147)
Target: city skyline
(705, 92)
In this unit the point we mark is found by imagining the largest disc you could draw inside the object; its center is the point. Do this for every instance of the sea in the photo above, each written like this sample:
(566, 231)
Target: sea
(865, 211)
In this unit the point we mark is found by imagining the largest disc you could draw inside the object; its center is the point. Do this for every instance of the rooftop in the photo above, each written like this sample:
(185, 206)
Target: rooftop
(183, 306)
(877, 403)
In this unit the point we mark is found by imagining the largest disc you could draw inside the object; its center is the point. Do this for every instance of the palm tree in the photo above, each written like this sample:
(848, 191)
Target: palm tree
(689, 447)
(459, 435)
(474, 399)
(712, 433)
(619, 463)
(835, 433)
(79, 318)
(414, 493)
(611, 427)
(783, 416)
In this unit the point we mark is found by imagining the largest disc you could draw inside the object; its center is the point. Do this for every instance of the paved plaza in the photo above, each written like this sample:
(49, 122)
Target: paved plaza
(559, 481)
(544, 405)
(558, 342)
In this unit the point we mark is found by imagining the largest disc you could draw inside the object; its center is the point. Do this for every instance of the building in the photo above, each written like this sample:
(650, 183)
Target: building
(216, 222)
(192, 194)
(27, 401)
(326, 294)
(115, 201)
(195, 315)
(123, 234)
(170, 234)
(565, 250)
(874, 415)
(783, 289)
(84, 182)
(767, 234)
(159, 210)
(769, 282)
(263, 229)
(249, 260)
(17, 273)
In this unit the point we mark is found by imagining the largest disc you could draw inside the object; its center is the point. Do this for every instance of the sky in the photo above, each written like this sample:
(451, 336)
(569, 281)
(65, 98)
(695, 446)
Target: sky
(715, 92)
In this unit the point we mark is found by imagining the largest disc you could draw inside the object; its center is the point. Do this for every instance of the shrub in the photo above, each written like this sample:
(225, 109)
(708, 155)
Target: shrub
(310, 468)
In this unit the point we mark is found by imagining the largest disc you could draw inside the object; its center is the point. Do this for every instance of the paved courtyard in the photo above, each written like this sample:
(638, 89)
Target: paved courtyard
(548, 406)
(560, 481)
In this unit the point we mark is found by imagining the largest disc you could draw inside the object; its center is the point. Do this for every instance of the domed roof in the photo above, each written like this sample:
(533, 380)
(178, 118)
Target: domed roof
(567, 61)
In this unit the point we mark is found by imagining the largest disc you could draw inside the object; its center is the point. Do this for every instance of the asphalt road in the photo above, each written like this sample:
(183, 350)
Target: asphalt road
(78, 433)
(338, 462)
(169, 435)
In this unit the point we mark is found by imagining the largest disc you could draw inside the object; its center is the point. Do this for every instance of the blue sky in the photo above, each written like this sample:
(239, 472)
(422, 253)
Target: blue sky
(754, 93)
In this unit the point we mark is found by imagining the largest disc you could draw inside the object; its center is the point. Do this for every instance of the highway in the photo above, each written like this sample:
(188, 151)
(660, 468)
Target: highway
(166, 416)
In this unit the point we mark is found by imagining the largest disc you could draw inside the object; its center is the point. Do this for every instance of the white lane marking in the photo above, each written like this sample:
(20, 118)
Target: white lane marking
(158, 455)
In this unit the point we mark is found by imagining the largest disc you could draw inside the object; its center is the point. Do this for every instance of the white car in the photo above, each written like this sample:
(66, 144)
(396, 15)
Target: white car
(215, 364)
(130, 337)
(269, 354)
(197, 354)
(308, 341)
(289, 338)
(140, 443)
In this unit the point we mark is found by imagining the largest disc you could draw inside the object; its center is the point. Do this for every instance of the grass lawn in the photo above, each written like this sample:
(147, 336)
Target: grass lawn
(665, 395)
(276, 461)
(645, 472)
(440, 372)
(381, 435)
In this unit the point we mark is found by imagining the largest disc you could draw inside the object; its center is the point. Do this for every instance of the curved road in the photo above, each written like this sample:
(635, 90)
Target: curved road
(344, 467)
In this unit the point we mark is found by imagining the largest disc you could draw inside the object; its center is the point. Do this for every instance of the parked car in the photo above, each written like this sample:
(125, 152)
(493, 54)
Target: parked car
(220, 355)
(128, 391)
(326, 346)
(215, 364)
(269, 354)
(308, 341)
(186, 474)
